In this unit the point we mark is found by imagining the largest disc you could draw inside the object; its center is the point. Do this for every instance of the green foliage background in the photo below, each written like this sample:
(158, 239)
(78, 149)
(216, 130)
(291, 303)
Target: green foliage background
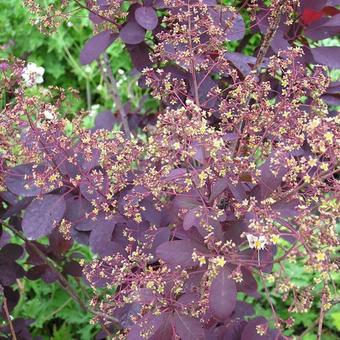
(55, 315)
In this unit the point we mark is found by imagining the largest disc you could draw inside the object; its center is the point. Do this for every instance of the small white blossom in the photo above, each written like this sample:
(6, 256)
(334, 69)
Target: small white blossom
(33, 74)
(256, 242)
(94, 110)
(49, 115)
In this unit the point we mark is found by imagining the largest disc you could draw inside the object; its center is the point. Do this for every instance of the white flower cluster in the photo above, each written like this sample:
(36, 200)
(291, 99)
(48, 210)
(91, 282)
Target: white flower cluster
(33, 74)
(256, 242)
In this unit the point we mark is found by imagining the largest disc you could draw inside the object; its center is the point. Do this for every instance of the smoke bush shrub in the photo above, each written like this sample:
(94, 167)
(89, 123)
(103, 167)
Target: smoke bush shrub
(237, 175)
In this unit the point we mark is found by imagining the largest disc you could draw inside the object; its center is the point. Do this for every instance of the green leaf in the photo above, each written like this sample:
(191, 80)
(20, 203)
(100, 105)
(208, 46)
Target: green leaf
(62, 333)
(335, 316)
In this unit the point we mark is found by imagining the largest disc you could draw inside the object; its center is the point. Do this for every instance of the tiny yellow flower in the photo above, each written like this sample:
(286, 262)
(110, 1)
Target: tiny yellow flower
(320, 256)
(324, 166)
(312, 162)
(307, 179)
(275, 239)
(220, 261)
(138, 218)
(201, 260)
(329, 136)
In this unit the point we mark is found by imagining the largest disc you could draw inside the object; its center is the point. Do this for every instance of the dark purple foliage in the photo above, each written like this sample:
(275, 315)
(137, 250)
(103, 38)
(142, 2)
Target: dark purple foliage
(101, 200)
(96, 46)
(146, 17)
(222, 296)
(179, 252)
(42, 215)
(132, 33)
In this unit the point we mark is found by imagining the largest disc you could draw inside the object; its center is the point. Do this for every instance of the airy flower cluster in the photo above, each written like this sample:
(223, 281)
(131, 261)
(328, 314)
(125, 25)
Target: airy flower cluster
(33, 74)
(238, 176)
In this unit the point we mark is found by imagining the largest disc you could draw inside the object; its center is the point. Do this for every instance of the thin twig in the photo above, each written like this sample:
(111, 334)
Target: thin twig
(62, 280)
(268, 37)
(272, 29)
(322, 314)
(8, 317)
(113, 89)
(95, 13)
(88, 95)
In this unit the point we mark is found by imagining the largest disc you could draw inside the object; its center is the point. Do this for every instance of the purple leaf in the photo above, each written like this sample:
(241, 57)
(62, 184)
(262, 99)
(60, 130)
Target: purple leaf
(49, 276)
(187, 327)
(81, 237)
(234, 330)
(240, 61)
(222, 19)
(76, 208)
(4, 238)
(146, 17)
(262, 258)
(222, 296)
(271, 181)
(242, 310)
(323, 28)
(162, 235)
(315, 4)
(132, 33)
(190, 219)
(286, 209)
(10, 252)
(218, 187)
(41, 216)
(249, 284)
(8, 197)
(96, 19)
(334, 87)
(15, 210)
(329, 56)
(100, 220)
(73, 268)
(105, 120)
(12, 297)
(96, 46)
(250, 331)
(160, 4)
(92, 189)
(150, 324)
(150, 213)
(21, 182)
(58, 244)
(9, 272)
(146, 296)
(140, 56)
(186, 201)
(36, 272)
(101, 237)
(279, 41)
(179, 252)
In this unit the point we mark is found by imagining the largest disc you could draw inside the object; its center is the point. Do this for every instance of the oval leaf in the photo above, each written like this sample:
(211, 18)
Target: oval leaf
(96, 46)
(149, 324)
(132, 33)
(179, 252)
(41, 215)
(146, 17)
(187, 327)
(231, 23)
(10, 252)
(222, 296)
(20, 180)
(329, 56)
